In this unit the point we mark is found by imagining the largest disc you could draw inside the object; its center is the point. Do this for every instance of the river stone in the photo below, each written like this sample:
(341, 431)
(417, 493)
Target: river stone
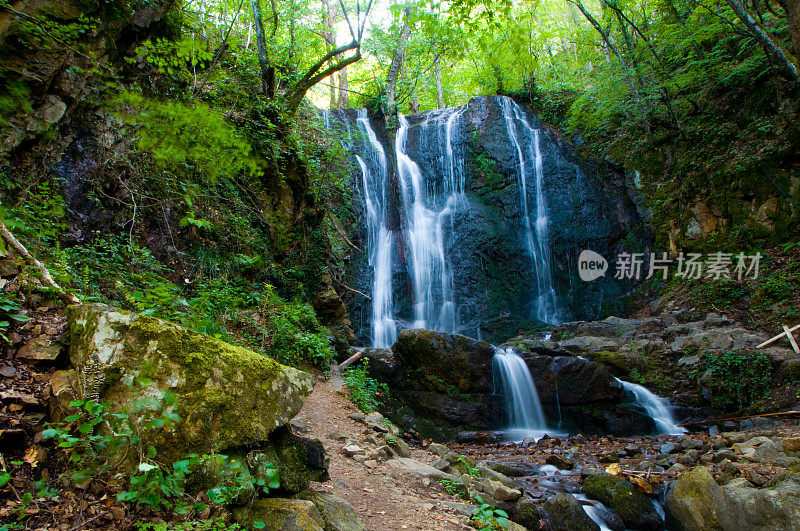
(635, 509)
(39, 350)
(513, 469)
(227, 396)
(421, 469)
(281, 513)
(336, 512)
(563, 511)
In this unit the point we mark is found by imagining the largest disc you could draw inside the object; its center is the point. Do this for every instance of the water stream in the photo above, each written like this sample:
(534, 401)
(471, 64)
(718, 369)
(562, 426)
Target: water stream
(424, 234)
(656, 407)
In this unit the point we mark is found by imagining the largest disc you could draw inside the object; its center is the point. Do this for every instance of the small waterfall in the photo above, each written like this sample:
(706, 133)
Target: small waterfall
(434, 307)
(535, 234)
(374, 175)
(513, 379)
(656, 407)
(595, 510)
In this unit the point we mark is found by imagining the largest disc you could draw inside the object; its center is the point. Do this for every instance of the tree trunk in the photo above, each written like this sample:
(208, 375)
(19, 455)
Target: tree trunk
(267, 71)
(344, 93)
(332, 92)
(604, 35)
(397, 63)
(329, 13)
(439, 95)
(792, 8)
(414, 103)
(764, 38)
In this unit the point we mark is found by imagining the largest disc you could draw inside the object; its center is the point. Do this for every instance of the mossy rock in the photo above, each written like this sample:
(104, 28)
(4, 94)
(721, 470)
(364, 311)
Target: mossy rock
(697, 502)
(281, 514)
(299, 460)
(563, 511)
(635, 509)
(226, 396)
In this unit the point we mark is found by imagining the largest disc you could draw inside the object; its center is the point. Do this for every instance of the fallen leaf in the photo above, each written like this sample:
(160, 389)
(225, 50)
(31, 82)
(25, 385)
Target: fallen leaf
(32, 455)
(643, 485)
(614, 469)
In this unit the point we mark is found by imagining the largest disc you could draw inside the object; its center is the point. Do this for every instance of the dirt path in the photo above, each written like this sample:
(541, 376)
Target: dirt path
(384, 497)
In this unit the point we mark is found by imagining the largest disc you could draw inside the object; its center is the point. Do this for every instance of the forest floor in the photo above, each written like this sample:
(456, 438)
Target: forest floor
(384, 497)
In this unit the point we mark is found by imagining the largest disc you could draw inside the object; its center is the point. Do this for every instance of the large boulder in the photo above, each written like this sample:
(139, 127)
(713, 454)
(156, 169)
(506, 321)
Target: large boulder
(336, 512)
(440, 362)
(225, 396)
(281, 514)
(572, 380)
(697, 502)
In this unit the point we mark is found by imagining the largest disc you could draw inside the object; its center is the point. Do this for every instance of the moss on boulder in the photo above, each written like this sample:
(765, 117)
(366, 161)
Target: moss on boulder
(336, 512)
(281, 513)
(227, 396)
(635, 509)
(563, 511)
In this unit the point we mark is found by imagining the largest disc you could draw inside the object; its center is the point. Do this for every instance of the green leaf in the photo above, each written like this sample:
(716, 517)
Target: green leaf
(4, 478)
(259, 525)
(49, 433)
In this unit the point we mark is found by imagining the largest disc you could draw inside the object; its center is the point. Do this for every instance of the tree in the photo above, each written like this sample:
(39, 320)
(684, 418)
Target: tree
(771, 45)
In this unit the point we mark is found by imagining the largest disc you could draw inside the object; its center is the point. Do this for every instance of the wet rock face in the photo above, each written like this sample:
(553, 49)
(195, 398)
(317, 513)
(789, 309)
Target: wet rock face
(572, 381)
(448, 380)
(494, 282)
(444, 377)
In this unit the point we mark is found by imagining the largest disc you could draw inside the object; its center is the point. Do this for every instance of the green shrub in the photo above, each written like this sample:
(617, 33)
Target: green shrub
(736, 379)
(9, 314)
(101, 444)
(364, 391)
(178, 135)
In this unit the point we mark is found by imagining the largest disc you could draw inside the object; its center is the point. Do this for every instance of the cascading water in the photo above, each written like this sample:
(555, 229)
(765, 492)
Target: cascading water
(513, 379)
(535, 234)
(374, 175)
(430, 271)
(430, 202)
(656, 407)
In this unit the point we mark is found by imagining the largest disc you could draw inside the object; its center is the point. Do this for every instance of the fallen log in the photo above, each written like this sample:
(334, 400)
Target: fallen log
(14, 243)
(714, 421)
(351, 360)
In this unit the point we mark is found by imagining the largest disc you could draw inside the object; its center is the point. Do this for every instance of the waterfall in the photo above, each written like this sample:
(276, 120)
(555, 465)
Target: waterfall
(513, 379)
(429, 268)
(430, 200)
(535, 234)
(656, 407)
(374, 176)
